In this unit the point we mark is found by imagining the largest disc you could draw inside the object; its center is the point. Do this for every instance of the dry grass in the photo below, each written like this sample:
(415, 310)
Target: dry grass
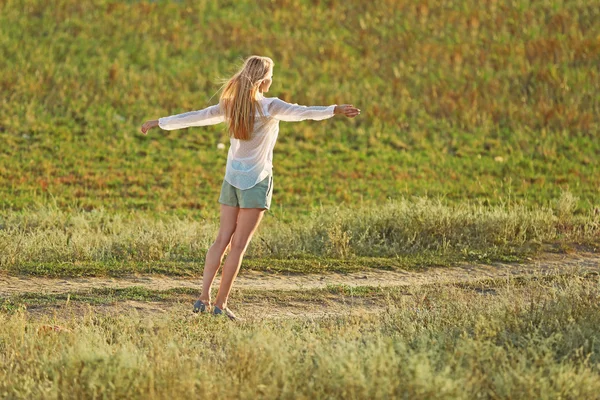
(396, 229)
(534, 339)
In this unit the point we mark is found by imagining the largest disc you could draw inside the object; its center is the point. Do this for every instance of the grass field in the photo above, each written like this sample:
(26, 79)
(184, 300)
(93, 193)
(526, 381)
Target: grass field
(477, 143)
(459, 100)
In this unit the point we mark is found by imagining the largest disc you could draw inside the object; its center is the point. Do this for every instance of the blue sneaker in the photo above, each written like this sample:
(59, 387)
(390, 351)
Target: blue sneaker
(199, 306)
(226, 311)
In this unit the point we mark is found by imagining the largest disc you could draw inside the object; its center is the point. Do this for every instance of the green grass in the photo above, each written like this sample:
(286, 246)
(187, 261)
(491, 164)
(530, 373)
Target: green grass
(527, 339)
(309, 265)
(461, 100)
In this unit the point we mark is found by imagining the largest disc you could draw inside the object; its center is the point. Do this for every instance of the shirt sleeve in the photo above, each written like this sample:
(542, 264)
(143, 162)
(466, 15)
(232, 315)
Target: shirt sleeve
(283, 111)
(208, 116)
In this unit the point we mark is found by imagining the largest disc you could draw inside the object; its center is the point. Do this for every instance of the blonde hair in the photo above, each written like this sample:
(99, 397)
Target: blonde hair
(239, 96)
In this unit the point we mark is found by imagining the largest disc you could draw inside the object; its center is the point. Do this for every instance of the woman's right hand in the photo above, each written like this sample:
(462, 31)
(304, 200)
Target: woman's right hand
(146, 126)
(347, 109)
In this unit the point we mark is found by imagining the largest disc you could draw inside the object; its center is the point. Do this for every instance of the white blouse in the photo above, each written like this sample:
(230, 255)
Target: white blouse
(250, 161)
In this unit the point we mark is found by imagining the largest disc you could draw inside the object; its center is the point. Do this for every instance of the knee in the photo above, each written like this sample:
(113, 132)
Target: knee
(238, 245)
(223, 241)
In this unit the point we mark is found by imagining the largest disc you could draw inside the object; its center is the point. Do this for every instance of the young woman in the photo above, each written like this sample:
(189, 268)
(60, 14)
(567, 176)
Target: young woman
(246, 192)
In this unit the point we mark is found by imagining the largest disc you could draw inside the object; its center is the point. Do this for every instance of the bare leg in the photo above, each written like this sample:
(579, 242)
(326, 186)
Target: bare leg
(248, 221)
(217, 250)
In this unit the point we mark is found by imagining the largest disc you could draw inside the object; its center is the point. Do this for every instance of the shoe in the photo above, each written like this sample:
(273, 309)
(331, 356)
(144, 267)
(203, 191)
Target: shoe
(226, 311)
(199, 306)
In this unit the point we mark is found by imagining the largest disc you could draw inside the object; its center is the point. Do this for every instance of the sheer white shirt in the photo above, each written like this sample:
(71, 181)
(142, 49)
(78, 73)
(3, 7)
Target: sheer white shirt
(250, 161)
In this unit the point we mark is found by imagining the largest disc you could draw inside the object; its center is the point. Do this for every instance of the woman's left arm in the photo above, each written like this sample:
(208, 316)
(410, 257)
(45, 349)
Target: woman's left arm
(208, 116)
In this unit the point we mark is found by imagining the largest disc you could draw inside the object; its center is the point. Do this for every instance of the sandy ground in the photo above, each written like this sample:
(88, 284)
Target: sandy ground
(260, 309)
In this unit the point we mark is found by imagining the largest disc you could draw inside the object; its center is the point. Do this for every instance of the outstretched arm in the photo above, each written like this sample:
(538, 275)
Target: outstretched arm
(284, 111)
(208, 116)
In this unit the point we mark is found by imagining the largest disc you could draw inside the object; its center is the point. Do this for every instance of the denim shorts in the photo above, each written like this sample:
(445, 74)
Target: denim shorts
(258, 196)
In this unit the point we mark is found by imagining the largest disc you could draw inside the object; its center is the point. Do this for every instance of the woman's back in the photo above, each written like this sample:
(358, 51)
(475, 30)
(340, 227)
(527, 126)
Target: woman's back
(250, 161)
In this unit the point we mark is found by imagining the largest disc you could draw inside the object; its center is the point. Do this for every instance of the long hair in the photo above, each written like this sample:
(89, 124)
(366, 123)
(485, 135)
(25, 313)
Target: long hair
(239, 96)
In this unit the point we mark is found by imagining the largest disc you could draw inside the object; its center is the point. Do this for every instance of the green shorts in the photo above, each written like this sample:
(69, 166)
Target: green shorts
(258, 196)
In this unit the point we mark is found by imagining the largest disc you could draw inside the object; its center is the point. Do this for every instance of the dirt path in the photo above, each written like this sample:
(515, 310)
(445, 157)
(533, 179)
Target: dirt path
(546, 264)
